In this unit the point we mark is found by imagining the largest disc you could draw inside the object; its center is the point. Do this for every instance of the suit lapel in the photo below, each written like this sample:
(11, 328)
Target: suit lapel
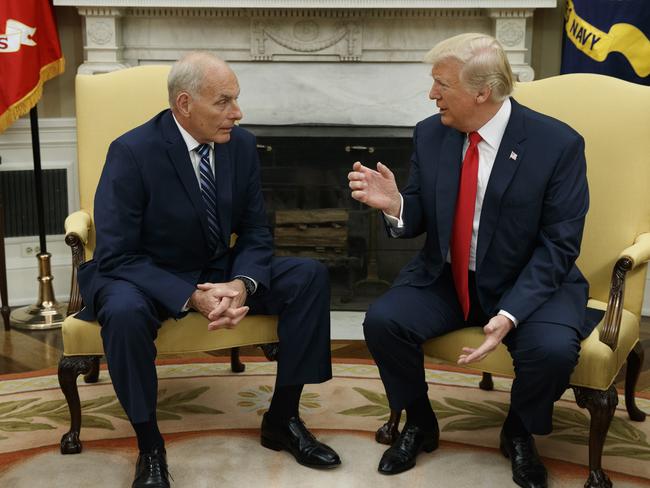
(223, 174)
(509, 156)
(180, 158)
(447, 186)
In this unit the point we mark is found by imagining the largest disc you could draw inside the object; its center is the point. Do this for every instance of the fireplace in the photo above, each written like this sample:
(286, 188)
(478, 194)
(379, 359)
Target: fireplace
(304, 181)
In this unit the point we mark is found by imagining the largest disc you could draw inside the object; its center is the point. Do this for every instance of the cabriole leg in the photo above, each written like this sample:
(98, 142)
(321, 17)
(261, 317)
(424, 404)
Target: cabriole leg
(601, 406)
(634, 363)
(70, 367)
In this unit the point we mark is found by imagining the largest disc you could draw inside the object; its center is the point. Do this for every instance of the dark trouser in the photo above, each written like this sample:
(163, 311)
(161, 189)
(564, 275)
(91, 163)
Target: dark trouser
(400, 321)
(299, 294)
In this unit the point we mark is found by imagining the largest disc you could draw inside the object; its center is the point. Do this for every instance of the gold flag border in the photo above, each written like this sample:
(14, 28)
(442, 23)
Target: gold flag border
(622, 37)
(25, 104)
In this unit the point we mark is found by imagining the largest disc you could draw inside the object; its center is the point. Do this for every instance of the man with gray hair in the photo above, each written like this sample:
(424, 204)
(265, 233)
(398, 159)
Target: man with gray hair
(501, 193)
(171, 193)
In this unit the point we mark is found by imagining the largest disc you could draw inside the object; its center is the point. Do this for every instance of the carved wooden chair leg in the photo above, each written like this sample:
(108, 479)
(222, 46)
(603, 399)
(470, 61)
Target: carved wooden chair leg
(271, 350)
(486, 382)
(69, 368)
(387, 433)
(601, 406)
(634, 363)
(93, 375)
(236, 366)
(5, 310)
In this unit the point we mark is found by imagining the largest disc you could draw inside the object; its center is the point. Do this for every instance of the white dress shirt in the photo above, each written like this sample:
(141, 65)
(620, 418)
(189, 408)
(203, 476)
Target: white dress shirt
(491, 134)
(195, 158)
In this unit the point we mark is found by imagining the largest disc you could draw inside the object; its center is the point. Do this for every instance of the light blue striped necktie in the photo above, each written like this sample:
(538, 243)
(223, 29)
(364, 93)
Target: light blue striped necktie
(209, 193)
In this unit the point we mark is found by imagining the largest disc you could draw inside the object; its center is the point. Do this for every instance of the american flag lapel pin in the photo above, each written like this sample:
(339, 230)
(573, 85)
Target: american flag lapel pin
(513, 155)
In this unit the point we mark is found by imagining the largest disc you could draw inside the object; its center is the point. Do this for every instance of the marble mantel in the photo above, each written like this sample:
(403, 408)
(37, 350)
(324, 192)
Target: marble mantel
(360, 54)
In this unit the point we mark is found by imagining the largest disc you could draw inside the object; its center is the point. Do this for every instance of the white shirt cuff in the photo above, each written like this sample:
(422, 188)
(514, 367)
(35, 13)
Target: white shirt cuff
(510, 316)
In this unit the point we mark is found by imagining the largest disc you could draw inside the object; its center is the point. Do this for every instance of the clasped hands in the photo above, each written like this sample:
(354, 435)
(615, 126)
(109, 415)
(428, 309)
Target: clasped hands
(377, 189)
(221, 303)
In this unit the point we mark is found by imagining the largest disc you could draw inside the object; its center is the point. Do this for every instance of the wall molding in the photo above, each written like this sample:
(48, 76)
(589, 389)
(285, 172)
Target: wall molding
(346, 4)
(53, 132)
(150, 12)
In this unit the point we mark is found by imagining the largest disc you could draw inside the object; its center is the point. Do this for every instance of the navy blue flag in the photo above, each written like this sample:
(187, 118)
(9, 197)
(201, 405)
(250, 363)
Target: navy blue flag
(610, 37)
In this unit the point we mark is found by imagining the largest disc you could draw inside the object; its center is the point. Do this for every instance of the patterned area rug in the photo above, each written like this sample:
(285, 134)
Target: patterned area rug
(210, 418)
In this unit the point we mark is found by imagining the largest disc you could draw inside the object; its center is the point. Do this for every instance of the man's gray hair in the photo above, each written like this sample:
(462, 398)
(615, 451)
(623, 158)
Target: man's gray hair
(484, 62)
(187, 74)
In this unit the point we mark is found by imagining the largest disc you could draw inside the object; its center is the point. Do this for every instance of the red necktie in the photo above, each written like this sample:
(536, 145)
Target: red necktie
(461, 233)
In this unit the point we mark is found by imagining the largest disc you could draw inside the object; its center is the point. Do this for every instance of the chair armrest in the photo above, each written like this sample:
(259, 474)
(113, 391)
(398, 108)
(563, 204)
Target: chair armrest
(77, 226)
(630, 258)
(639, 252)
(77, 230)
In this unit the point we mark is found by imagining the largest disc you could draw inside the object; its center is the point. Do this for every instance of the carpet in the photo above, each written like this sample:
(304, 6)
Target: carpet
(211, 417)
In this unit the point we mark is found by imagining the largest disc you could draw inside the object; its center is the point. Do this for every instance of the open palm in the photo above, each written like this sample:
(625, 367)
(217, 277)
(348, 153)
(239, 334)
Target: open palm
(375, 188)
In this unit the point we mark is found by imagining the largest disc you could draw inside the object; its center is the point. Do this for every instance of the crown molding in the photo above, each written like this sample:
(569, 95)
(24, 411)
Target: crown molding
(306, 4)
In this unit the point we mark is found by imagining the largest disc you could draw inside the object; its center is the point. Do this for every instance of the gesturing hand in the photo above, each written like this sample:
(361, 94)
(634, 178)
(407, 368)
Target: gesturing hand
(495, 330)
(376, 189)
(221, 303)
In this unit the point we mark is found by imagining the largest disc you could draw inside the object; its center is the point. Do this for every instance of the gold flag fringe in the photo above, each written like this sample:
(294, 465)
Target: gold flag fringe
(24, 105)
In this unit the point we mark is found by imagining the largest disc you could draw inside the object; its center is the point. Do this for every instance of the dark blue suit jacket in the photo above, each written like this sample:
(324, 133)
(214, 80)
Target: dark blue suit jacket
(531, 222)
(151, 222)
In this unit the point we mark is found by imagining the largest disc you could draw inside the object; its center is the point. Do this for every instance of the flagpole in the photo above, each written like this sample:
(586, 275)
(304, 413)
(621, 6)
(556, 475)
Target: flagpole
(4, 297)
(47, 313)
(38, 180)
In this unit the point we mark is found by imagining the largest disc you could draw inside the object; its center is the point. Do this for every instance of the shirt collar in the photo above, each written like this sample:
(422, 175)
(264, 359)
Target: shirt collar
(492, 132)
(190, 142)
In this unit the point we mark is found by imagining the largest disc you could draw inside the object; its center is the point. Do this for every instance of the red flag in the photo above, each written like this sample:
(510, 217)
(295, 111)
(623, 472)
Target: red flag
(30, 54)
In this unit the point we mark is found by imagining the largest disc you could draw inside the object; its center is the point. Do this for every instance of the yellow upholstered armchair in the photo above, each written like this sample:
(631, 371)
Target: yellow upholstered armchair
(614, 118)
(107, 106)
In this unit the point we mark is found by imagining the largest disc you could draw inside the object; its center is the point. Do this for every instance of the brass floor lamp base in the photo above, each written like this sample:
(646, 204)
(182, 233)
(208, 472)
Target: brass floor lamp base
(39, 316)
(47, 313)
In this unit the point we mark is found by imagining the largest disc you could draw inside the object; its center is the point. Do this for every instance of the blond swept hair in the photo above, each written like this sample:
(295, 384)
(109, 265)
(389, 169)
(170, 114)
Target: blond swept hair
(484, 62)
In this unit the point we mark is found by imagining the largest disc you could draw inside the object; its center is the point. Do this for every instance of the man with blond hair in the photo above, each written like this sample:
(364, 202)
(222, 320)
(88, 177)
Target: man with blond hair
(171, 193)
(501, 193)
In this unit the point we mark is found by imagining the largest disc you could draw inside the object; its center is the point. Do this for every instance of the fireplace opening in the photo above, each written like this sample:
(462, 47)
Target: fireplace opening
(304, 181)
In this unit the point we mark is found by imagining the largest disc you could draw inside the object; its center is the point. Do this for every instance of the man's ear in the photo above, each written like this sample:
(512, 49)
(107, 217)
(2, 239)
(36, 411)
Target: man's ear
(183, 103)
(483, 94)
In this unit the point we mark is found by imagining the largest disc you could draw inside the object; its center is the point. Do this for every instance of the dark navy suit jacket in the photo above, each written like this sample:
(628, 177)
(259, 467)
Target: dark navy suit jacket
(151, 222)
(531, 221)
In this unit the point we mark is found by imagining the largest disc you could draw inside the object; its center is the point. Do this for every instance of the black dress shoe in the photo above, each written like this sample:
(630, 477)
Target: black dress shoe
(401, 455)
(295, 438)
(527, 468)
(151, 470)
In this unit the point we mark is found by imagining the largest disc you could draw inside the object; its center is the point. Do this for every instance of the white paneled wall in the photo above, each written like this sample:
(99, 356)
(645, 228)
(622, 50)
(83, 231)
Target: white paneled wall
(58, 151)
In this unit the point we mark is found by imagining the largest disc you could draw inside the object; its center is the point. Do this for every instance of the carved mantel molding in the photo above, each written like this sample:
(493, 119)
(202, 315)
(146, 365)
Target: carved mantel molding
(330, 62)
(121, 33)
